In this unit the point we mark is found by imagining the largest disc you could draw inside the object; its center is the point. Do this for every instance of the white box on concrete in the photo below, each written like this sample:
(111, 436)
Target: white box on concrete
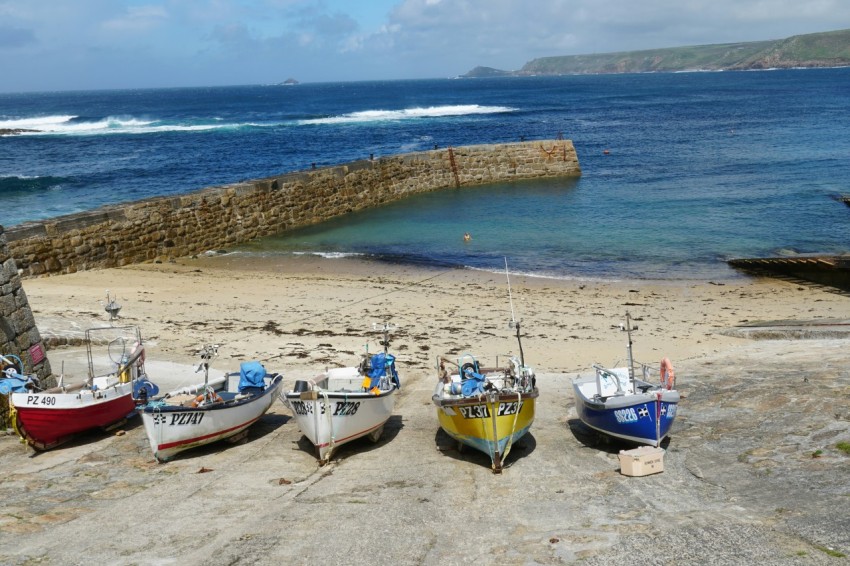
(641, 461)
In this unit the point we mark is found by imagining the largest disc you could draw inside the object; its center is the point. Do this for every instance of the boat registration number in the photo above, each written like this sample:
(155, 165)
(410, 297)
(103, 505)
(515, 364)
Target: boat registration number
(48, 400)
(483, 411)
(178, 419)
(626, 415)
(339, 408)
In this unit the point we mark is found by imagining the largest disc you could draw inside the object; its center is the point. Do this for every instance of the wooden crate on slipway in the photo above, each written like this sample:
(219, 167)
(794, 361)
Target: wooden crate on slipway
(642, 461)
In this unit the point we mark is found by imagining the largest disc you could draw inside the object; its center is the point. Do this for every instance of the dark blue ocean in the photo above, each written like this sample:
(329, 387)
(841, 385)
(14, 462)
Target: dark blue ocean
(680, 171)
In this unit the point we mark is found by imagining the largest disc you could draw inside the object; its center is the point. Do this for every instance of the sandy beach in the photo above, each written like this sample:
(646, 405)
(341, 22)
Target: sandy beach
(310, 312)
(752, 471)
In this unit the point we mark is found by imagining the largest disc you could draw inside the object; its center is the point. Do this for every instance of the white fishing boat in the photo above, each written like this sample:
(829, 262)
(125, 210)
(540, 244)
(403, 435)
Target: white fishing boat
(486, 408)
(216, 409)
(116, 382)
(617, 404)
(348, 403)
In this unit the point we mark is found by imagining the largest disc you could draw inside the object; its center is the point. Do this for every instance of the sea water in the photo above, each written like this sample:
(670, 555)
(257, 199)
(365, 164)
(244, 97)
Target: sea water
(680, 171)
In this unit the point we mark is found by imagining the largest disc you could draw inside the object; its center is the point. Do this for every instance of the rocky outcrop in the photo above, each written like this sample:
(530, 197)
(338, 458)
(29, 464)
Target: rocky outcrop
(14, 131)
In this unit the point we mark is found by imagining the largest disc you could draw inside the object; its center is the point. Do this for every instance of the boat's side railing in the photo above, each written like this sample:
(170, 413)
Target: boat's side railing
(601, 374)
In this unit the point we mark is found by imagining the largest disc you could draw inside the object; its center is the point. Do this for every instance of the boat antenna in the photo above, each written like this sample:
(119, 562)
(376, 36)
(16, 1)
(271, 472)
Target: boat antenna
(628, 330)
(514, 322)
(386, 327)
(207, 353)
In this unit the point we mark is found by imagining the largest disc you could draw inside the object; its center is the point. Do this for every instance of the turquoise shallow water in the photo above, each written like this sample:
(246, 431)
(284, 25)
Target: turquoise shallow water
(700, 167)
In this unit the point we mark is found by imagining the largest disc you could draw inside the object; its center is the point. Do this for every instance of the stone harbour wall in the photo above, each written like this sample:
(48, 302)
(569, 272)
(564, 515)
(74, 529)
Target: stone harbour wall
(19, 335)
(218, 217)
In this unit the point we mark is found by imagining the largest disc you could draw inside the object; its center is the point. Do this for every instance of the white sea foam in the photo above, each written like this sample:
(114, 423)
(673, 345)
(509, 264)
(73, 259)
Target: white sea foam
(22, 177)
(67, 125)
(36, 123)
(331, 255)
(71, 125)
(546, 275)
(408, 113)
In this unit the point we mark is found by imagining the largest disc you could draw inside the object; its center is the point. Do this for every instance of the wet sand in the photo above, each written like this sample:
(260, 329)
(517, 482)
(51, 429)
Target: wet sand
(753, 471)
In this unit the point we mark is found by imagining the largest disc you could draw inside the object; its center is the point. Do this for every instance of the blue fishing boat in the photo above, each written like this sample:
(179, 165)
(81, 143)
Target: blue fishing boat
(614, 402)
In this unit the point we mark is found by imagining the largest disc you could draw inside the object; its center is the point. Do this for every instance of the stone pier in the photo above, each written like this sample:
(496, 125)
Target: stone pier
(219, 217)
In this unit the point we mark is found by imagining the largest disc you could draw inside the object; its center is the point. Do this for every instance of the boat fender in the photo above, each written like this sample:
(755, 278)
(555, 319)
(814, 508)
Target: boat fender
(668, 377)
(202, 399)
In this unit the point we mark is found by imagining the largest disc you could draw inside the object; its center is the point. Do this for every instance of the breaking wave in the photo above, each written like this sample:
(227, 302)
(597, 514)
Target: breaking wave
(81, 126)
(72, 125)
(408, 114)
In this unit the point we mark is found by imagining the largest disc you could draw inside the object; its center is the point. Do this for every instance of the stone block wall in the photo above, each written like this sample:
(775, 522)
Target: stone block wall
(19, 335)
(218, 217)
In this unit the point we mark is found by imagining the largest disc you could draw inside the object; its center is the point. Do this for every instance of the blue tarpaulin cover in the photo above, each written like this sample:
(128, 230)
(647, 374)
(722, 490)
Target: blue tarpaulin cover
(251, 374)
(380, 362)
(473, 383)
(16, 383)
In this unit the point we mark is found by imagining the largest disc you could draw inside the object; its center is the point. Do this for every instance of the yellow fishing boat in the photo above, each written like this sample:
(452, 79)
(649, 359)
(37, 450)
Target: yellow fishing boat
(488, 409)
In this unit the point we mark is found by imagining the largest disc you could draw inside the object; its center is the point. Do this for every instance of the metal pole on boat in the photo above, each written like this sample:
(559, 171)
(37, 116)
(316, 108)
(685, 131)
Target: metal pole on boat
(386, 328)
(631, 359)
(208, 352)
(514, 321)
(519, 341)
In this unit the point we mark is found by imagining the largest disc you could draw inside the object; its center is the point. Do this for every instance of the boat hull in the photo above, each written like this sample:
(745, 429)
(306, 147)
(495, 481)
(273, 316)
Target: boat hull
(490, 423)
(172, 429)
(46, 420)
(640, 418)
(330, 419)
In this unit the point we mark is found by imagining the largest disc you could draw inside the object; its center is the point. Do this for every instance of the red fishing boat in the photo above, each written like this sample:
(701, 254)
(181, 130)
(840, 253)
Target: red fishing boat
(47, 418)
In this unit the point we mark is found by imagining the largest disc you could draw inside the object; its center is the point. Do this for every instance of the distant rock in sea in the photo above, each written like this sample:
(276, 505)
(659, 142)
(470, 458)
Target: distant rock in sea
(289, 81)
(14, 131)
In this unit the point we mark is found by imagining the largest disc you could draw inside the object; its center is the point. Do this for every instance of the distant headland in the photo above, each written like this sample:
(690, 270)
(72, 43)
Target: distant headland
(827, 49)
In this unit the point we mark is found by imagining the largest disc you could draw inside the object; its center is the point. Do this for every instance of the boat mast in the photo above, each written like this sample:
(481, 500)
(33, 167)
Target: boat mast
(386, 327)
(629, 348)
(514, 321)
(208, 352)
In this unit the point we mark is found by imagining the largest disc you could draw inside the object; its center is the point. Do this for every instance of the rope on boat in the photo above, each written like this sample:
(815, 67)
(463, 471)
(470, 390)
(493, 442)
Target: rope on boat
(494, 413)
(513, 427)
(332, 442)
(13, 419)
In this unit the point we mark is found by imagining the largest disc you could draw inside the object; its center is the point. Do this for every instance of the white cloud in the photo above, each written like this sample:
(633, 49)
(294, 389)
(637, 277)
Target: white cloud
(137, 19)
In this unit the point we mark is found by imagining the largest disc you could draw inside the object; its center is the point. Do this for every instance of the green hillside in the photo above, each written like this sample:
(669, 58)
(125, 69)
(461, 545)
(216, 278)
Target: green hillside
(828, 49)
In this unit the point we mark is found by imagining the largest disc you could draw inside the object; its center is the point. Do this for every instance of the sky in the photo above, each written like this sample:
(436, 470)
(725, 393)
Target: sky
(55, 45)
